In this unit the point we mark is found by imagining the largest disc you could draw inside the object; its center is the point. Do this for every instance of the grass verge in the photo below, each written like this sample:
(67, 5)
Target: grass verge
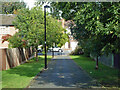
(0, 79)
(20, 76)
(105, 75)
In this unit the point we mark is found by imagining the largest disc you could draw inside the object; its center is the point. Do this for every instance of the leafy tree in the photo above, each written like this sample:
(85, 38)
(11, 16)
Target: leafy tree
(90, 17)
(55, 32)
(12, 7)
(66, 10)
(109, 18)
(31, 26)
(96, 25)
(16, 41)
(31, 29)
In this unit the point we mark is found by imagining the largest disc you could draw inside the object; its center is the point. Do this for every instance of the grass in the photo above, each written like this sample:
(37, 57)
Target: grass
(105, 75)
(20, 76)
(0, 80)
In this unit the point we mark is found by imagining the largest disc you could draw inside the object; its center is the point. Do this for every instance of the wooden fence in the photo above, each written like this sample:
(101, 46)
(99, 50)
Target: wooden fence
(112, 60)
(13, 57)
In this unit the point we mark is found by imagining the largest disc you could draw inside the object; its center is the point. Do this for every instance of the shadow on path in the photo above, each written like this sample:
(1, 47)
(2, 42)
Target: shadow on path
(62, 72)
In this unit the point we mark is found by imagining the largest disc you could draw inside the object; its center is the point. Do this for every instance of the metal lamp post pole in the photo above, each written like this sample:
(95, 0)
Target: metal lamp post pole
(45, 37)
(45, 34)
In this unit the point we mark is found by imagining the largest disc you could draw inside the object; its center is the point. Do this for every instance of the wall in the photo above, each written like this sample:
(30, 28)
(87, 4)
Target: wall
(14, 57)
(73, 45)
(4, 31)
(66, 45)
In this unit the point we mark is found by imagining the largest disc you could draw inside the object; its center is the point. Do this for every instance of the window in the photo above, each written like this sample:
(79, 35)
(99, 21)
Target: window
(4, 30)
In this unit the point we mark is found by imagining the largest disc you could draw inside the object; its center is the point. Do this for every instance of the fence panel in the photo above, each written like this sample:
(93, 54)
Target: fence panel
(13, 57)
(107, 60)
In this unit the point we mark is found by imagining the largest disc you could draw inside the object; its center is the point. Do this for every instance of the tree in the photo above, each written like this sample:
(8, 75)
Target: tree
(65, 10)
(90, 17)
(12, 7)
(16, 41)
(55, 32)
(31, 29)
(96, 25)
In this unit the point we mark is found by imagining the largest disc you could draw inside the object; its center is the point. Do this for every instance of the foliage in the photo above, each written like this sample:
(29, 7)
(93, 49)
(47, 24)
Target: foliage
(55, 32)
(105, 75)
(78, 51)
(31, 26)
(5, 38)
(12, 7)
(66, 10)
(16, 41)
(31, 29)
(96, 24)
(92, 19)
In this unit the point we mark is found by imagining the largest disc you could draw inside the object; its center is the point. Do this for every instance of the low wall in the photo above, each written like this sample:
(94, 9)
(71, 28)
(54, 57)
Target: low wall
(13, 57)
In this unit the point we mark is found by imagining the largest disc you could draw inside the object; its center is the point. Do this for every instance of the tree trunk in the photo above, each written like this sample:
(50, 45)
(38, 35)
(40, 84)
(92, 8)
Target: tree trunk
(26, 53)
(36, 54)
(52, 54)
(96, 63)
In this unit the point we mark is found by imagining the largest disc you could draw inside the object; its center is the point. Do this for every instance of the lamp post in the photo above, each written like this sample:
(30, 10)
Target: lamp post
(46, 6)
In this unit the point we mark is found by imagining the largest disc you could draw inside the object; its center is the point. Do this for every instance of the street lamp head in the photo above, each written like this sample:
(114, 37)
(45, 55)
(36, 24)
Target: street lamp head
(46, 6)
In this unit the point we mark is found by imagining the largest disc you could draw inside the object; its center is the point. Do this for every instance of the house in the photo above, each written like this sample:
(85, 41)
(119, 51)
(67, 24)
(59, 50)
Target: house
(6, 28)
(10, 57)
(72, 43)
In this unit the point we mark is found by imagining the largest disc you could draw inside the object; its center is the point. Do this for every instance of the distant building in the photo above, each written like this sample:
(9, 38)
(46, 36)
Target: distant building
(72, 44)
(6, 28)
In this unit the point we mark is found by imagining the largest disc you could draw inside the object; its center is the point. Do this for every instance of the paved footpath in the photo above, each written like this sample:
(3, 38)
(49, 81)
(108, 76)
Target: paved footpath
(63, 72)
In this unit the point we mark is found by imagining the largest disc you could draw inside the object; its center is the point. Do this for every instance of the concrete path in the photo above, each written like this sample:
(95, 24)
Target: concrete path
(62, 72)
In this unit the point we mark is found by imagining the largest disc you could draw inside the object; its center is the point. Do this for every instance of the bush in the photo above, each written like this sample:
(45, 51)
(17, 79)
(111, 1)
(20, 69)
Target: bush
(86, 53)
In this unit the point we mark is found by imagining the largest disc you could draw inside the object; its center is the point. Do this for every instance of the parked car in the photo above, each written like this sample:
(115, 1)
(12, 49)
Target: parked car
(55, 49)
(40, 48)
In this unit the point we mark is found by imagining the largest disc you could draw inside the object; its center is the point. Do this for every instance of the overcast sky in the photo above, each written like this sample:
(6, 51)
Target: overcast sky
(30, 3)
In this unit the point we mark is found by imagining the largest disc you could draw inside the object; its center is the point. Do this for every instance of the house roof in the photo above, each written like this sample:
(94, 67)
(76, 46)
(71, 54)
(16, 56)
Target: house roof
(6, 19)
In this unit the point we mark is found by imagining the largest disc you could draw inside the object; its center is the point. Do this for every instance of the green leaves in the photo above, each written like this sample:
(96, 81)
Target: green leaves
(99, 23)
(15, 41)
(96, 24)
(12, 7)
(31, 29)
(55, 32)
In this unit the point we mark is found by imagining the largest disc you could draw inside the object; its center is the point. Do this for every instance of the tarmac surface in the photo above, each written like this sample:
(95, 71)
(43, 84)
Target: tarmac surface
(63, 72)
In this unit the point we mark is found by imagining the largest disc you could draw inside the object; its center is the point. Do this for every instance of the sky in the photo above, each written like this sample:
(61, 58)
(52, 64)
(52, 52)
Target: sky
(30, 3)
